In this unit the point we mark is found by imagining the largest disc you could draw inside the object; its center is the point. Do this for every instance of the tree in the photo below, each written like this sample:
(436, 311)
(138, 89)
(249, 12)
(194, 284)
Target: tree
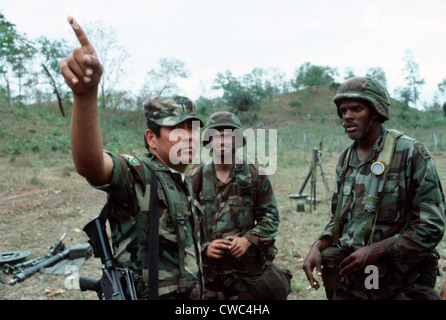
(51, 52)
(412, 75)
(312, 76)
(8, 50)
(161, 81)
(377, 73)
(442, 88)
(275, 82)
(241, 94)
(112, 57)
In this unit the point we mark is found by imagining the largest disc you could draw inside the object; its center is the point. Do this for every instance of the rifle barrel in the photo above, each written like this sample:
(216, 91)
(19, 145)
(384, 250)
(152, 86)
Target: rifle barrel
(26, 273)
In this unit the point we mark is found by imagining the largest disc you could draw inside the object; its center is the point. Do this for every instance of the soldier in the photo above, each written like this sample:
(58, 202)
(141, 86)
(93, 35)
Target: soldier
(388, 208)
(241, 217)
(126, 179)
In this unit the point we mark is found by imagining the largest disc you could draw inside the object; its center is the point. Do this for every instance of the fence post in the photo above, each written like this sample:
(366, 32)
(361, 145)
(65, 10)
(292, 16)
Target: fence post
(434, 136)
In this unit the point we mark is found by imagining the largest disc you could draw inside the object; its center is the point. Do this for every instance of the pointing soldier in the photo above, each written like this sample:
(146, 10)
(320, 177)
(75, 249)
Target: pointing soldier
(241, 216)
(388, 208)
(125, 178)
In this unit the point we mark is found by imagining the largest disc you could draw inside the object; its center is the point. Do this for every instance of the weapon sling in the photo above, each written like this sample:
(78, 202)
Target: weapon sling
(153, 237)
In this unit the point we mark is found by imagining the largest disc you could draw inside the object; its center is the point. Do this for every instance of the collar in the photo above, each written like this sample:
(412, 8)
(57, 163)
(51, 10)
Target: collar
(376, 149)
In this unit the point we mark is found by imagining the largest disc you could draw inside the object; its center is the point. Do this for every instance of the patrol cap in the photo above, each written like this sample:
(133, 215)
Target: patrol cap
(168, 112)
(224, 119)
(367, 89)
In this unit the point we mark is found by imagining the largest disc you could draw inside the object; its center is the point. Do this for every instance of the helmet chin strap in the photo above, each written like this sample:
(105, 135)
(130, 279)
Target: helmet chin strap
(368, 128)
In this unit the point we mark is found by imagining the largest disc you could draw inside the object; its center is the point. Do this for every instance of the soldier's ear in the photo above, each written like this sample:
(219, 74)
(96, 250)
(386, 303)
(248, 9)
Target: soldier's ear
(151, 139)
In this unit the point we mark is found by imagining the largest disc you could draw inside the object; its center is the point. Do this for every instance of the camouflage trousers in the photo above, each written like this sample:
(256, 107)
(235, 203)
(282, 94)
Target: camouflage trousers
(226, 287)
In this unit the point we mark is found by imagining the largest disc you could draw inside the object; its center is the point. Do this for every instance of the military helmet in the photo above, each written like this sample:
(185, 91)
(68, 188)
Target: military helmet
(221, 119)
(368, 89)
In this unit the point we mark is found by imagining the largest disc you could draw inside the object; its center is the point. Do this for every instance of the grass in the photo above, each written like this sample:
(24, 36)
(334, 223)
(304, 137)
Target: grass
(42, 197)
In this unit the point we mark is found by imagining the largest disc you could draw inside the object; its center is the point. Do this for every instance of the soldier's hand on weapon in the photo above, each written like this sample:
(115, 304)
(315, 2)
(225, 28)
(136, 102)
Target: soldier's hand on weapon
(358, 260)
(239, 246)
(314, 260)
(81, 69)
(217, 248)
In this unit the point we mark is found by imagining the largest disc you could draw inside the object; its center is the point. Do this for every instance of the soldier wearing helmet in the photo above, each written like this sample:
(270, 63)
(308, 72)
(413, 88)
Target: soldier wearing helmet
(388, 207)
(241, 217)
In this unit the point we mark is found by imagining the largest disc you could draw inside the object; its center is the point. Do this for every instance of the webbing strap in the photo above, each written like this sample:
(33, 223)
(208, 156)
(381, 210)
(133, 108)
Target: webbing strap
(245, 191)
(337, 217)
(153, 250)
(208, 190)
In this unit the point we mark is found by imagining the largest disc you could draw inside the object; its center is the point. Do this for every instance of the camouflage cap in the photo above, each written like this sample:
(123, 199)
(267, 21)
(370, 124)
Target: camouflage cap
(223, 119)
(168, 112)
(368, 89)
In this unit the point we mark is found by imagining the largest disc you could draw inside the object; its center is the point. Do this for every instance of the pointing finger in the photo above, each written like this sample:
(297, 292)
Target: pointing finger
(81, 36)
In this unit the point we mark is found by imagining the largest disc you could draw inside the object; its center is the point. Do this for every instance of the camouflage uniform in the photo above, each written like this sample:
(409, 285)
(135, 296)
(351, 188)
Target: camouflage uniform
(229, 216)
(129, 215)
(410, 220)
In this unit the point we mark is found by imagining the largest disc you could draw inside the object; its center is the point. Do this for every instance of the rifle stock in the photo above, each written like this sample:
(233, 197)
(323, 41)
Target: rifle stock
(116, 283)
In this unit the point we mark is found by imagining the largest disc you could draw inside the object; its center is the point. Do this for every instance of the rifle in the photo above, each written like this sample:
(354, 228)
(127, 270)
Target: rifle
(18, 267)
(57, 254)
(116, 283)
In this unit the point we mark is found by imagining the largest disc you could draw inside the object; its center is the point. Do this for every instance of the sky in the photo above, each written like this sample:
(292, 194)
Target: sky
(212, 36)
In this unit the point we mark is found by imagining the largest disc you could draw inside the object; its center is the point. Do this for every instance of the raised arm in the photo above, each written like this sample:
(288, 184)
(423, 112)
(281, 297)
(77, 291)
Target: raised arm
(82, 72)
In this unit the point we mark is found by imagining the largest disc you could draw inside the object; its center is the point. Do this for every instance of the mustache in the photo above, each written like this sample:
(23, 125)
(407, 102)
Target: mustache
(345, 124)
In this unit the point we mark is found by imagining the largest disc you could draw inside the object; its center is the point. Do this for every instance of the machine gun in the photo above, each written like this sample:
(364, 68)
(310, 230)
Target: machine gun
(57, 253)
(115, 283)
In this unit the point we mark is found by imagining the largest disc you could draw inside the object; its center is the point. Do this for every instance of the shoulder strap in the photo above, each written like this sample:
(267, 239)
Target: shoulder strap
(377, 183)
(337, 218)
(153, 237)
(245, 192)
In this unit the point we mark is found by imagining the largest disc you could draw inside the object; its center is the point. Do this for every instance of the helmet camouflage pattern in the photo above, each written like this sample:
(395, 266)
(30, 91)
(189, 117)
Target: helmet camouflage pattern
(168, 112)
(224, 119)
(368, 89)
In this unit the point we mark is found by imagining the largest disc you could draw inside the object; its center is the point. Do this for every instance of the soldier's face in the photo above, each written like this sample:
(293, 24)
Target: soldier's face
(177, 145)
(356, 117)
(225, 141)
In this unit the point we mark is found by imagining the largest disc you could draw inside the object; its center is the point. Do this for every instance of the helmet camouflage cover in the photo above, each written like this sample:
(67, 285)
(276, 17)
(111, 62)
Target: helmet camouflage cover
(368, 89)
(168, 112)
(224, 119)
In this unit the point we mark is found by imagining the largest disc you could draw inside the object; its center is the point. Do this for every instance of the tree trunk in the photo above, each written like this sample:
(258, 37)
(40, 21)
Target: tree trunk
(56, 92)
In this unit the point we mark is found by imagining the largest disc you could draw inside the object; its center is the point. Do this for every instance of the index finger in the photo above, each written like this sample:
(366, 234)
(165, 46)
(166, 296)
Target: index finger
(80, 34)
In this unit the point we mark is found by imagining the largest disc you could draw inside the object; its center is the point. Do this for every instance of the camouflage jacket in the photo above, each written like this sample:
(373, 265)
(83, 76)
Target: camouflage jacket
(411, 212)
(229, 216)
(129, 225)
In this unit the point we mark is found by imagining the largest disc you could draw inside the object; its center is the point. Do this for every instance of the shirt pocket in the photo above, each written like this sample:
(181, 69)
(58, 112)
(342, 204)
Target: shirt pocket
(347, 194)
(388, 205)
(238, 212)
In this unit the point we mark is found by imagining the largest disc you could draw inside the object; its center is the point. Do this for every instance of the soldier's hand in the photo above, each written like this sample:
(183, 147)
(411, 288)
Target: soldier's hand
(239, 246)
(81, 69)
(314, 260)
(358, 260)
(217, 248)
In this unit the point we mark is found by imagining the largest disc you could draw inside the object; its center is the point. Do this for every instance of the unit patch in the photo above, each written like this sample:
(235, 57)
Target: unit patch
(423, 150)
(131, 160)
